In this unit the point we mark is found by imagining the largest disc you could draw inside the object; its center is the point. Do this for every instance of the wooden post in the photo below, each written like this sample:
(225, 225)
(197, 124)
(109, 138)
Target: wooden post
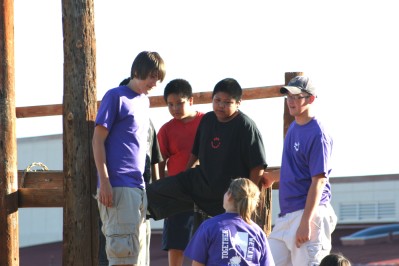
(80, 243)
(9, 246)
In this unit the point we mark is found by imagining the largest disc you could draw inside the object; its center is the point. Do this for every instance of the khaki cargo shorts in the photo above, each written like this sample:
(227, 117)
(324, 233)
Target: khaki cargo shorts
(124, 225)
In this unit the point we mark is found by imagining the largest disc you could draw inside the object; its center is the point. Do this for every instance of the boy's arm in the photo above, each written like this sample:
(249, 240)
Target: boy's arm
(155, 172)
(256, 174)
(161, 166)
(196, 263)
(269, 178)
(312, 201)
(192, 161)
(105, 192)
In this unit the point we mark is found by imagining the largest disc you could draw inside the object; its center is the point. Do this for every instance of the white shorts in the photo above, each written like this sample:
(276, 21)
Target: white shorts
(282, 238)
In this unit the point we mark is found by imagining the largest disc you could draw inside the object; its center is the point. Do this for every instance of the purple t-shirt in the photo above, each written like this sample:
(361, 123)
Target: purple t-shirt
(306, 153)
(126, 116)
(227, 239)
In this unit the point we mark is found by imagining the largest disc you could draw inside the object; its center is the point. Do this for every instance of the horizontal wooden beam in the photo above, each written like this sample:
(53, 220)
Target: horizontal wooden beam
(41, 179)
(40, 189)
(155, 101)
(45, 188)
(247, 94)
(40, 197)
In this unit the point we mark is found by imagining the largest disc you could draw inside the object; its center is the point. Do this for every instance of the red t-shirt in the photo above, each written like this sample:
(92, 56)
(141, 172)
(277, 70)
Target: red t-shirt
(176, 140)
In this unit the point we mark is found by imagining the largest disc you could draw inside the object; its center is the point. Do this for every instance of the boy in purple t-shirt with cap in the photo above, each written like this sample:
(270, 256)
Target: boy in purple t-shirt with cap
(302, 232)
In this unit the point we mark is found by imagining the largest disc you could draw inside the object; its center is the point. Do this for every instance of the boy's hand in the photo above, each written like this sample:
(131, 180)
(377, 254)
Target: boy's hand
(302, 234)
(267, 180)
(105, 194)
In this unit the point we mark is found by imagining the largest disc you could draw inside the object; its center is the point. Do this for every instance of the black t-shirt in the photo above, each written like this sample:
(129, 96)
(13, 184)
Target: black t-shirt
(226, 151)
(153, 153)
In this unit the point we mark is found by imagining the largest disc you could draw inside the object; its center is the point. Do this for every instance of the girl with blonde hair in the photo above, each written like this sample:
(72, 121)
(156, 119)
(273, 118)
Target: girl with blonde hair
(232, 238)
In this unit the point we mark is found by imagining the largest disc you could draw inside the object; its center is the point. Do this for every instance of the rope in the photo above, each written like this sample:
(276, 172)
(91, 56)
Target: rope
(42, 166)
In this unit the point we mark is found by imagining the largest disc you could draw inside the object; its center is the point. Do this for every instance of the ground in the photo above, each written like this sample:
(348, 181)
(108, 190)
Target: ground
(375, 254)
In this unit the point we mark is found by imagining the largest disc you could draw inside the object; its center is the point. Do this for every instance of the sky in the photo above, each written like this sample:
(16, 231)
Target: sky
(348, 48)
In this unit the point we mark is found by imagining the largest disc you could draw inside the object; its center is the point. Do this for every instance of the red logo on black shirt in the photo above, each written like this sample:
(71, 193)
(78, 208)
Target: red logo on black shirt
(215, 143)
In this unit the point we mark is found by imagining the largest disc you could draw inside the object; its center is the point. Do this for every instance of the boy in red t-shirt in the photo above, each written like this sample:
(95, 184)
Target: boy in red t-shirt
(176, 139)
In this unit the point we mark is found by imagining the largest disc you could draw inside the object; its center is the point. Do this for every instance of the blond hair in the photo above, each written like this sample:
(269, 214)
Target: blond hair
(246, 197)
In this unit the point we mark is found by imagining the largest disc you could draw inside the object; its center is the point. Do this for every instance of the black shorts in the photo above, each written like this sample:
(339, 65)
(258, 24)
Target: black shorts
(177, 231)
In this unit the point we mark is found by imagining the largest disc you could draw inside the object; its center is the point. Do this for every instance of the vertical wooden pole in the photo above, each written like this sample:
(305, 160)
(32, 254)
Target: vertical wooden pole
(9, 246)
(268, 200)
(264, 210)
(79, 111)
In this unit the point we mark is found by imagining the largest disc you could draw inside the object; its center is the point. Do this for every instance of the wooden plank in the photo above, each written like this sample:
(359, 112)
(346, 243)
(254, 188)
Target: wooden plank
(52, 181)
(262, 92)
(155, 101)
(55, 179)
(40, 197)
(40, 189)
(247, 94)
(41, 179)
(40, 110)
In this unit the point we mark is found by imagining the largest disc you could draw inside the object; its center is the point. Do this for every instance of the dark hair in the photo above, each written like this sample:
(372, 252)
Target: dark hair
(246, 197)
(147, 63)
(180, 87)
(229, 86)
(335, 260)
(124, 82)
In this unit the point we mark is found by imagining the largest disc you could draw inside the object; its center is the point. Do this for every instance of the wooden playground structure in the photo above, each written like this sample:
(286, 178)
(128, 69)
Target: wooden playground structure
(72, 188)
